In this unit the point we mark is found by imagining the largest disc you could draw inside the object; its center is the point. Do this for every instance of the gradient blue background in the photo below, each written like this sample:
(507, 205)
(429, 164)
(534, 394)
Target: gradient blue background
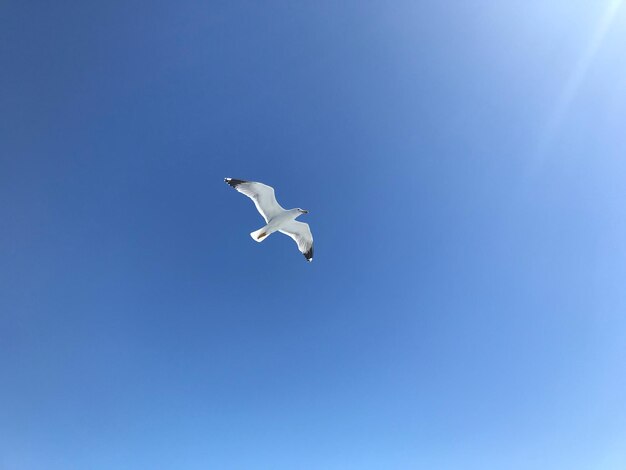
(465, 168)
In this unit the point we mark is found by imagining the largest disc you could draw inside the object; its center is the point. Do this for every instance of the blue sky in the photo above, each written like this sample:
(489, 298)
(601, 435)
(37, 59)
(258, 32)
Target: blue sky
(464, 168)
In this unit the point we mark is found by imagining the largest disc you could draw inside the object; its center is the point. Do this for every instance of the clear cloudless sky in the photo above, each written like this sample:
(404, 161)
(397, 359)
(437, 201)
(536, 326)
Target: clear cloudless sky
(464, 165)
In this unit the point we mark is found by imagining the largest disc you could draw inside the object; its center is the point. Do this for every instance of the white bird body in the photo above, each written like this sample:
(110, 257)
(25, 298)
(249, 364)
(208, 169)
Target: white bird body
(277, 219)
(275, 223)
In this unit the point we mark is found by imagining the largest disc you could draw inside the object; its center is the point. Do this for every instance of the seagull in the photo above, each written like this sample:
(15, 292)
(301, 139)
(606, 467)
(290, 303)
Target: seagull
(276, 218)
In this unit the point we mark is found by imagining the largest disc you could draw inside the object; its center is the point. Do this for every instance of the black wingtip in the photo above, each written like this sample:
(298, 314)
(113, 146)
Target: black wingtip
(233, 182)
(309, 255)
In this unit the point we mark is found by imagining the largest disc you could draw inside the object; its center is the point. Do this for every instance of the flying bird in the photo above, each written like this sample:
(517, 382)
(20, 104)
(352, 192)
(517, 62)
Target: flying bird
(276, 218)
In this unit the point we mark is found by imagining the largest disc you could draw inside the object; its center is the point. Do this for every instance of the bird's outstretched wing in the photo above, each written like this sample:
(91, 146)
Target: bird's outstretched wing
(261, 194)
(301, 234)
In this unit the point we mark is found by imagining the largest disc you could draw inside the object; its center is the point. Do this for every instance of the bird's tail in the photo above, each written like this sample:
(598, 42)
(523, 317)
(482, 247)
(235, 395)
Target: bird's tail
(260, 234)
